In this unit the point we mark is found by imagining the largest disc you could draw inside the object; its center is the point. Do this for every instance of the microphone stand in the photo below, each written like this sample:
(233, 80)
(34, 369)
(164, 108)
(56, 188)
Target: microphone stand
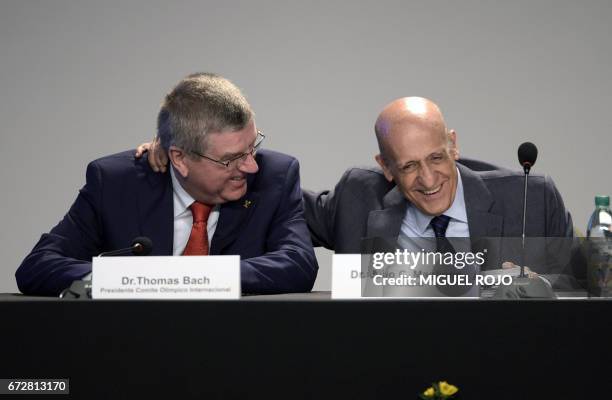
(526, 169)
(136, 249)
(523, 287)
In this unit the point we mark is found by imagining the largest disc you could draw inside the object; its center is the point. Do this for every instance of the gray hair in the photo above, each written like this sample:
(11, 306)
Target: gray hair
(200, 103)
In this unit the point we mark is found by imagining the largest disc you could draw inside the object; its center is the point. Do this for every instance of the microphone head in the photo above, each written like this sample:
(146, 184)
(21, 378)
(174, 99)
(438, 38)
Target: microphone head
(527, 155)
(142, 246)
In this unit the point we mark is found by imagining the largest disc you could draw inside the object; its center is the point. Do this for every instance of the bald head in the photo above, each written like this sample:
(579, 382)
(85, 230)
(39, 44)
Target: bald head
(418, 153)
(405, 113)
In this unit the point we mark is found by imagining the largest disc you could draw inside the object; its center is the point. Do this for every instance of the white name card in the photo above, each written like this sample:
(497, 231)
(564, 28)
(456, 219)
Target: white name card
(189, 277)
(350, 282)
(346, 276)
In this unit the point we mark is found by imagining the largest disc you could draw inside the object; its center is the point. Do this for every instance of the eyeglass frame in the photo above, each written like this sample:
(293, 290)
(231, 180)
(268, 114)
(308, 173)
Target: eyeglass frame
(242, 156)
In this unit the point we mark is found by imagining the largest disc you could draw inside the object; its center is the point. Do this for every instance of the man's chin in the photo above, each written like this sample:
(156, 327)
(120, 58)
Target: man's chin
(433, 209)
(234, 195)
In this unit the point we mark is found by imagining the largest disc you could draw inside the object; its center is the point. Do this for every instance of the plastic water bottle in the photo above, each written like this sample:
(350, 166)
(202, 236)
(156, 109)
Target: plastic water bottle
(599, 235)
(600, 222)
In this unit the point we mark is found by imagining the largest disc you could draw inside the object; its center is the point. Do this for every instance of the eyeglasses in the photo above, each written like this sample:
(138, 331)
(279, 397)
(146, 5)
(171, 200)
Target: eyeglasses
(239, 159)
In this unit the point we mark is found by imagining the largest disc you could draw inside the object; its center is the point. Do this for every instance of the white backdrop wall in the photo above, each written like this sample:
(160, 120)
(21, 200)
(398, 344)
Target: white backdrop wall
(82, 79)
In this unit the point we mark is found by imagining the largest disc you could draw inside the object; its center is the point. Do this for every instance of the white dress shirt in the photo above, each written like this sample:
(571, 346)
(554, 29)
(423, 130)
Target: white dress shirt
(183, 219)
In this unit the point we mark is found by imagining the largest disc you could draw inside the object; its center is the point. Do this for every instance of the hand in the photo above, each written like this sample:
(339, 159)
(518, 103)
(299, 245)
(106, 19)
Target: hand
(158, 159)
(530, 274)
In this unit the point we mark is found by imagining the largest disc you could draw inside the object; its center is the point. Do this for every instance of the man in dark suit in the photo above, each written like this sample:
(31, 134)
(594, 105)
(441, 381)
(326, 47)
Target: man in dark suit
(422, 189)
(220, 196)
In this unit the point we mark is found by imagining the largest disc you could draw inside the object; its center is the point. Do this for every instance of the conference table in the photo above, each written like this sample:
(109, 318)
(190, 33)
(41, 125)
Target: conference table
(308, 346)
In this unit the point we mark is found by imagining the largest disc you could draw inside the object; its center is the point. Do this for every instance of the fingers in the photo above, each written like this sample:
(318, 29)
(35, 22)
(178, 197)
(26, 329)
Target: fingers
(508, 265)
(140, 150)
(158, 159)
(162, 156)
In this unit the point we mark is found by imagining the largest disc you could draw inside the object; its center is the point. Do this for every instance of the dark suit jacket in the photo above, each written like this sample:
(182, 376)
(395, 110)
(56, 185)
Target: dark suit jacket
(365, 205)
(123, 198)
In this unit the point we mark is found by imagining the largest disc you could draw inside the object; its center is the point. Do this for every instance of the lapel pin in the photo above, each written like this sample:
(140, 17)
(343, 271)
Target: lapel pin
(247, 203)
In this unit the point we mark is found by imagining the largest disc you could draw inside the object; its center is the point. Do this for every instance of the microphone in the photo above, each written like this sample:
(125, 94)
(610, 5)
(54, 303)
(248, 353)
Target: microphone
(141, 246)
(527, 155)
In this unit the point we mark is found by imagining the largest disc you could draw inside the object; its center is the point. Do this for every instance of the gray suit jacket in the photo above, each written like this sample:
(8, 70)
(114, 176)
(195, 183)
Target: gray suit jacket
(365, 205)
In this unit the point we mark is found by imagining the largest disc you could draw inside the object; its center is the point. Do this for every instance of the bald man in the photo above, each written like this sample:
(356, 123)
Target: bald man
(421, 181)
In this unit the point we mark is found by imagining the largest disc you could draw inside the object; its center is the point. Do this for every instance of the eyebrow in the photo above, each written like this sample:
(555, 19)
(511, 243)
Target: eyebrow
(437, 152)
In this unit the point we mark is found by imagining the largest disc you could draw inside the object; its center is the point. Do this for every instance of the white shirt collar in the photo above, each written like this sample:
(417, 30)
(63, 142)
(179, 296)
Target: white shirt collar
(182, 199)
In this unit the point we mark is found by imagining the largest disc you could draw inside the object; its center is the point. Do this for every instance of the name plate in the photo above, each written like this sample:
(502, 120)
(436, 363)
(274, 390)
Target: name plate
(167, 277)
(350, 281)
(346, 276)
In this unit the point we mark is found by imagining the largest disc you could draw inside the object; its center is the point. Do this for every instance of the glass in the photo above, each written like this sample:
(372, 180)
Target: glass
(239, 159)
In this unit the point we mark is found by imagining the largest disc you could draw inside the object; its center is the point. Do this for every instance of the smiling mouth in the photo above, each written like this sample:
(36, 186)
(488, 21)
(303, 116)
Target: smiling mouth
(432, 191)
(237, 178)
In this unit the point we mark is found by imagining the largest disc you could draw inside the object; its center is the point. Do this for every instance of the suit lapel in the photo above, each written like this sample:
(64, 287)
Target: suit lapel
(386, 223)
(155, 208)
(232, 217)
(478, 203)
(485, 227)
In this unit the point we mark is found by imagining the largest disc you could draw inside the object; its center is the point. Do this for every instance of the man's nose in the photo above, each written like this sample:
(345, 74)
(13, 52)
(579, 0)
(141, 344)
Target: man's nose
(249, 166)
(427, 177)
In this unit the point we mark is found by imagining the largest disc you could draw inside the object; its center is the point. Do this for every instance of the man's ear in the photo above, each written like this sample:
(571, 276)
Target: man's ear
(381, 161)
(178, 159)
(452, 140)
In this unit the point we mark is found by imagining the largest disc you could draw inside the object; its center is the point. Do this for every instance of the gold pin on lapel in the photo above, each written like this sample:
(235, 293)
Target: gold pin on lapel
(247, 203)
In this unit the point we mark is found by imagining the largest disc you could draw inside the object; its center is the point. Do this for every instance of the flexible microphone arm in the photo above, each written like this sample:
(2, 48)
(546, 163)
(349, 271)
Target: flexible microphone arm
(522, 286)
(141, 246)
(522, 274)
(527, 155)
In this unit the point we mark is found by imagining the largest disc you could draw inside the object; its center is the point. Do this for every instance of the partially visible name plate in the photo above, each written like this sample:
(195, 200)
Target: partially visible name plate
(189, 277)
(394, 280)
(346, 276)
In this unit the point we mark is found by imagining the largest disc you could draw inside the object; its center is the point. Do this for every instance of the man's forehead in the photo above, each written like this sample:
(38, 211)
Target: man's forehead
(413, 145)
(422, 131)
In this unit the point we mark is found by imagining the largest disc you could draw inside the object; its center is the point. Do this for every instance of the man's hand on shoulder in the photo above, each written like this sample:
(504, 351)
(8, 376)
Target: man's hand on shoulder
(158, 159)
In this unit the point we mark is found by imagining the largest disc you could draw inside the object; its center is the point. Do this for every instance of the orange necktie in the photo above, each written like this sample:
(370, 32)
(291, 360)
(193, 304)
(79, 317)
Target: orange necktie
(197, 245)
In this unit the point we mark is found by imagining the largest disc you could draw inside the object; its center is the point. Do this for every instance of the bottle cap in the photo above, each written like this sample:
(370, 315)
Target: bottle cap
(602, 201)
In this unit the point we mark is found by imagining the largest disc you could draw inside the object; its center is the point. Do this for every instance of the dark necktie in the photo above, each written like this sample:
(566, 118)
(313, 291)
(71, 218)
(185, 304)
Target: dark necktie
(197, 245)
(439, 225)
